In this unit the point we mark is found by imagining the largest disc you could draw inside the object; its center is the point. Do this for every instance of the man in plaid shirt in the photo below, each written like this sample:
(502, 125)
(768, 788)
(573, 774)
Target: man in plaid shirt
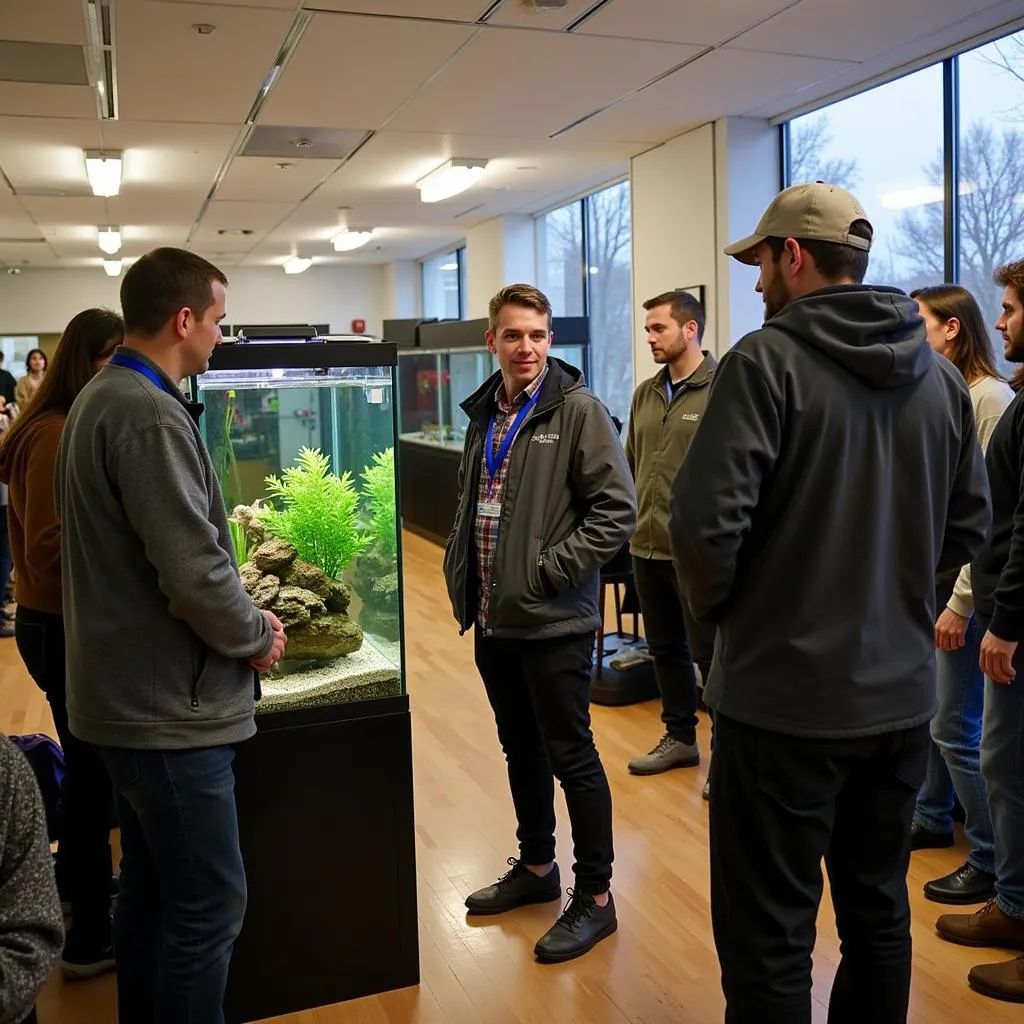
(546, 499)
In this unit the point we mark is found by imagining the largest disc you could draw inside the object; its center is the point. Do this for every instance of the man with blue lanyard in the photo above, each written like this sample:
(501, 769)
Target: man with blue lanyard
(546, 499)
(162, 641)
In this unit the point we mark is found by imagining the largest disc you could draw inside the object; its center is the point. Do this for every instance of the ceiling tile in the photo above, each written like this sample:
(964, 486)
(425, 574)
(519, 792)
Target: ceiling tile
(255, 178)
(221, 214)
(515, 14)
(282, 5)
(449, 10)
(719, 84)
(357, 50)
(225, 69)
(55, 21)
(24, 99)
(853, 29)
(569, 76)
(301, 142)
(671, 21)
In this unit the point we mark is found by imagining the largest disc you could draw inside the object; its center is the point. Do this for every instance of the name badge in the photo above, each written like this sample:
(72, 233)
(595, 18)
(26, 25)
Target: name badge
(488, 509)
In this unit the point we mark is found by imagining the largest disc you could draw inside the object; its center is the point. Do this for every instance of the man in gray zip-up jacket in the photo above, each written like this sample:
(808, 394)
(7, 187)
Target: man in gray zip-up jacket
(162, 640)
(663, 419)
(546, 499)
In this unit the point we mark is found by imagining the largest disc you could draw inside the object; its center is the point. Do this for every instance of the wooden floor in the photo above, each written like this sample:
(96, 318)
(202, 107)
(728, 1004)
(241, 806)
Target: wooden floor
(660, 967)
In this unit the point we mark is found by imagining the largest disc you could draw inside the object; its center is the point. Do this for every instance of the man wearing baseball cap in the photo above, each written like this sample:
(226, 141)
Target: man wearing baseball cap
(835, 470)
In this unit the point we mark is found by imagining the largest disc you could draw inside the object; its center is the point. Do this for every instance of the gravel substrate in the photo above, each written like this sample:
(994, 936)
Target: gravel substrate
(370, 673)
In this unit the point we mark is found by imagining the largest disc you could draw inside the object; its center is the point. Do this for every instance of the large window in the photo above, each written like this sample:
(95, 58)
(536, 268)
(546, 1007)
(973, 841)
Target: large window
(585, 263)
(444, 286)
(896, 172)
(966, 113)
(991, 170)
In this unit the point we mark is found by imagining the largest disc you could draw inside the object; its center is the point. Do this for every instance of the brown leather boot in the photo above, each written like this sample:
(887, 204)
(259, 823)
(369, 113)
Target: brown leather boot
(988, 927)
(1000, 981)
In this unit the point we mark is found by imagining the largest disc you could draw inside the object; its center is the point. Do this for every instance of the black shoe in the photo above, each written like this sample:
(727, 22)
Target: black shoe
(65, 903)
(516, 888)
(922, 839)
(581, 927)
(82, 959)
(967, 884)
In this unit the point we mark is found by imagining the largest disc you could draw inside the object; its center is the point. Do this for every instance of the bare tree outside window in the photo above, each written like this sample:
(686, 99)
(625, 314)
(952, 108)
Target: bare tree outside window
(597, 282)
(810, 139)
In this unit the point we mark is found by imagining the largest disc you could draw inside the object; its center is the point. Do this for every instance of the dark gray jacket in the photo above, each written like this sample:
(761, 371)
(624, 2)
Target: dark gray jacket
(569, 506)
(159, 629)
(836, 469)
(31, 924)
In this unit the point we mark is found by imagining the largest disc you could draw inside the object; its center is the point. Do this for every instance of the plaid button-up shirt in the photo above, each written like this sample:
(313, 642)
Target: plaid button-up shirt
(485, 528)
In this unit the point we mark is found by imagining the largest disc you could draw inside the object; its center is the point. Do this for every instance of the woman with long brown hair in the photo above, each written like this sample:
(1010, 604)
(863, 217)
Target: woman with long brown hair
(956, 330)
(35, 373)
(28, 457)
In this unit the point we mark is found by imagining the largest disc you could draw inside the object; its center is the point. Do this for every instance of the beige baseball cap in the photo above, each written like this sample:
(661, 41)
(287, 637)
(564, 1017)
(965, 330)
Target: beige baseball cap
(815, 211)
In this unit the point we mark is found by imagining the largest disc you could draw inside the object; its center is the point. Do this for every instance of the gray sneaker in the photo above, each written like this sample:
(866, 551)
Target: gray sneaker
(669, 753)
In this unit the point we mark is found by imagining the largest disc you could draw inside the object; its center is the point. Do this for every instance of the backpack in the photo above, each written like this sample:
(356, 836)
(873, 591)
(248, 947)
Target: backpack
(47, 762)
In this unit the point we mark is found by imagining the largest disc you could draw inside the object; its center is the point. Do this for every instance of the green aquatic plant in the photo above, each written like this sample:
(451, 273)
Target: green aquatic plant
(319, 513)
(378, 488)
(238, 539)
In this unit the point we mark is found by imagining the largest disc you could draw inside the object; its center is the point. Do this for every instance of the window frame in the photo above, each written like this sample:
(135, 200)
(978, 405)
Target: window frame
(459, 252)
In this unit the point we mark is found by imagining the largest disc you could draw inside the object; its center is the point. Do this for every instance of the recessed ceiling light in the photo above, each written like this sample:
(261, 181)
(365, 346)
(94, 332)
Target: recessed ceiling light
(104, 172)
(204, 28)
(234, 231)
(450, 179)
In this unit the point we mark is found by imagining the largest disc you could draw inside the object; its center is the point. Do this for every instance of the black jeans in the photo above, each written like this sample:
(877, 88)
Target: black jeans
(83, 852)
(779, 804)
(663, 608)
(540, 693)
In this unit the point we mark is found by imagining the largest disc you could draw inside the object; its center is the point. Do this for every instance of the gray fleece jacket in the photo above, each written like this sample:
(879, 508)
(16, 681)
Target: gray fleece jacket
(31, 923)
(159, 630)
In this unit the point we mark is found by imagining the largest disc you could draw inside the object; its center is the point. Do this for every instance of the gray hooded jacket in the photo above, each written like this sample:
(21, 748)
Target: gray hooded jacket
(835, 470)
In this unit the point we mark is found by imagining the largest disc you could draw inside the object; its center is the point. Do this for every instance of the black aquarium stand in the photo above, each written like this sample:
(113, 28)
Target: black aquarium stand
(325, 810)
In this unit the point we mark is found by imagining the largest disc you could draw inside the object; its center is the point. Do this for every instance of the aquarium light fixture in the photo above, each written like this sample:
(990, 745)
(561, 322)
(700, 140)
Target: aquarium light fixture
(351, 238)
(450, 179)
(297, 264)
(104, 172)
(109, 239)
(112, 268)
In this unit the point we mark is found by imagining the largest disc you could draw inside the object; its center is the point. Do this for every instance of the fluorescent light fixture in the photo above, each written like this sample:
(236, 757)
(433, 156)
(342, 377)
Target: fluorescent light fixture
(451, 178)
(112, 268)
(297, 264)
(594, 270)
(921, 195)
(449, 266)
(104, 172)
(109, 239)
(351, 238)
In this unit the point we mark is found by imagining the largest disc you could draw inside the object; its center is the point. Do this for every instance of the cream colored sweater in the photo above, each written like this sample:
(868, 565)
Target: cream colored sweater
(990, 397)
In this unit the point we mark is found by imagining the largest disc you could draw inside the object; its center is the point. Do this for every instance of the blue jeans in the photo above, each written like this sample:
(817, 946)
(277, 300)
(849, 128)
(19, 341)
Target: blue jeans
(1002, 764)
(954, 759)
(183, 893)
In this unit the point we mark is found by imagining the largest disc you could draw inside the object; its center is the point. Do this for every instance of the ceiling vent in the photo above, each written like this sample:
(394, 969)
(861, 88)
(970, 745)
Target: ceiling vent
(302, 143)
(544, 5)
(42, 63)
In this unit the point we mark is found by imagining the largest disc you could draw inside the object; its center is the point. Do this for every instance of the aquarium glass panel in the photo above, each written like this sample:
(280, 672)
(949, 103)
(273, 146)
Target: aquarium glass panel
(306, 460)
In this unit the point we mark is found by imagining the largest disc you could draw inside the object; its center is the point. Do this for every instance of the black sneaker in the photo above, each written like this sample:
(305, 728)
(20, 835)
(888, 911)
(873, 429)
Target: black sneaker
(581, 927)
(516, 888)
(966, 885)
(82, 959)
(923, 839)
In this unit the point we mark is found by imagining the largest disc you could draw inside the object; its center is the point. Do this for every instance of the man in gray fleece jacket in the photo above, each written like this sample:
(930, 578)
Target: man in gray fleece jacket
(31, 923)
(163, 643)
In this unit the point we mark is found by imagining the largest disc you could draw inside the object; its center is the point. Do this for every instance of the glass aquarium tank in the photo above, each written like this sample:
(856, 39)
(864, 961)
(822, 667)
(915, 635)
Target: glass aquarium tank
(434, 384)
(302, 437)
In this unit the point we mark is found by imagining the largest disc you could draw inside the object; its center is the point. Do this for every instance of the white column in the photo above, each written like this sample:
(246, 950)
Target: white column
(401, 289)
(499, 251)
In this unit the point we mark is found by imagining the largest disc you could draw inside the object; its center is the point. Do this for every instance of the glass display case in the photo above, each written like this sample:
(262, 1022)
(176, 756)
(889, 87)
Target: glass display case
(302, 436)
(434, 383)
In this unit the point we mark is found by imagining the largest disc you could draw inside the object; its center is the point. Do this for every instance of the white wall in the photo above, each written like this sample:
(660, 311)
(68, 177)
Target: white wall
(499, 251)
(692, 196)
(402, 286)
(673, 196)
(42, 301)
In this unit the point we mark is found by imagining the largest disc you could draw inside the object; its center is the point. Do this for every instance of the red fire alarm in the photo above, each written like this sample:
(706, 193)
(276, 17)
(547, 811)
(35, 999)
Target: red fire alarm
(358, 326)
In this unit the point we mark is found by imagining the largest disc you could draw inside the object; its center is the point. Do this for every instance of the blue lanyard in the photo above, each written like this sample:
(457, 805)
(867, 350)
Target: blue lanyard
(495, 460)
(119, 359)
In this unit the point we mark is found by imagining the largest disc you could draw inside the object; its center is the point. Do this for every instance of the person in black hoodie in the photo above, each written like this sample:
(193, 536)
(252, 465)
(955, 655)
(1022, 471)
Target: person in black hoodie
(997, 579)
(836, 468)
